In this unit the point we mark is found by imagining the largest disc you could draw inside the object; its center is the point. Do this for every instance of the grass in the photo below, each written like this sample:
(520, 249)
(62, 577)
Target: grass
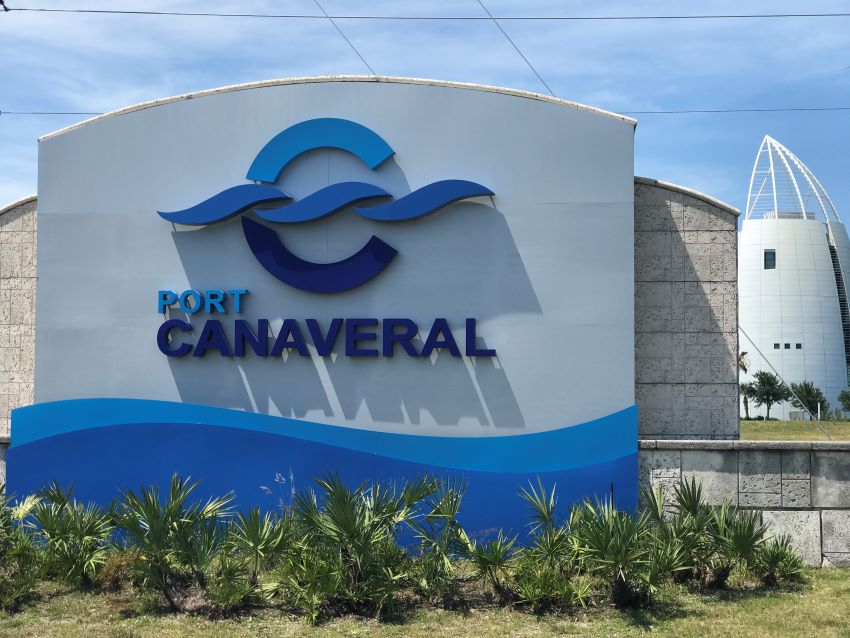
(816, 608)
(794, 430)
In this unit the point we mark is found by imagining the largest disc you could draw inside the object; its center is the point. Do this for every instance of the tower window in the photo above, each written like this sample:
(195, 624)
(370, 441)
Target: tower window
(799, 346)
(776, 346)
(787, 346)
(769, 259)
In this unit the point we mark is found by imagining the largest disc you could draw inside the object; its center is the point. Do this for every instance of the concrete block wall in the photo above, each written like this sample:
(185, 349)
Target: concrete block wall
(17, 310)
(686, 313)
(800, 488)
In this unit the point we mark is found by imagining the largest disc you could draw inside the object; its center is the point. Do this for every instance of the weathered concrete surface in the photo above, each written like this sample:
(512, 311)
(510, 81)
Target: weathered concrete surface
(830, 479)
(802, 488)
(17, 307)
(686, 313)
(802, 527)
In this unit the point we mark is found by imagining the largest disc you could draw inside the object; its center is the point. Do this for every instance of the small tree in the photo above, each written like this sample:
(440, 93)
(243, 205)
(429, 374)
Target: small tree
(844, 399)
(807, 396)
(768, 390)
(747, 393)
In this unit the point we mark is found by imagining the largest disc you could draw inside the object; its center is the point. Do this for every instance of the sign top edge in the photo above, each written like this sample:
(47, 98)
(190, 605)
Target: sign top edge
(338, 78)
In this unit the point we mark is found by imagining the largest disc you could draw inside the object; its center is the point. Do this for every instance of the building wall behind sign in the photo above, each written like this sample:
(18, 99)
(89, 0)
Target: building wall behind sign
(17, 307)
(686, 314)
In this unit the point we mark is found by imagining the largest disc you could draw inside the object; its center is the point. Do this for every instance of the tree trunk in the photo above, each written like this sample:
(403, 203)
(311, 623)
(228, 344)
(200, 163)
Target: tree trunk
(746, 408)
(767, 418)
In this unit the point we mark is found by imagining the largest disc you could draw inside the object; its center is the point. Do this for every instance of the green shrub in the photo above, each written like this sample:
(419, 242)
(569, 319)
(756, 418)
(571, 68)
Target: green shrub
(776, 560)
(349, 538)
(738, 536)
(492, 560)
(259, 539)
(120, 568)
(20, 559)
(544, 587)
(75, 536)
(179, 540)
(633, 552)
(442, 541)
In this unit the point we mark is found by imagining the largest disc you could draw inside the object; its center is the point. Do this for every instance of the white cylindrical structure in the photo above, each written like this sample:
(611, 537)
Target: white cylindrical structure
(793, 258)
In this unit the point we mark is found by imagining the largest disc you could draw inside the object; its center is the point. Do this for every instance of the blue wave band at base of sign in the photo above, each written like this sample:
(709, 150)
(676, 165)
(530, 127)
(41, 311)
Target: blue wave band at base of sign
(226, 204)
(337, 276)
(102, 460)
(425, 200)
(597, 441)
(323, 202)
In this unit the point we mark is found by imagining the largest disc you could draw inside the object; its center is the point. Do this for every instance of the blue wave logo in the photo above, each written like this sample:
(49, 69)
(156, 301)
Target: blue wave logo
(279, 207)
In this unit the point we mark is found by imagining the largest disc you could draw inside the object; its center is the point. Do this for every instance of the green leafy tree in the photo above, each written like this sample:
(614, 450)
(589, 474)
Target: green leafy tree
(768, 390)
(747, 394)
(807, 396)
(844, 399)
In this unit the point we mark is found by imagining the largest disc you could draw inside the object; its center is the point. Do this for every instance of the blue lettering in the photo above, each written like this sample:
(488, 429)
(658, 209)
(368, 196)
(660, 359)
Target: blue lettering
(390, 337)
(164, 342)
(165, 298)
(472, 349)
(324, 343)
(440, 337)
(290, 337)
(212, 338)
(353, 337)
(259, 343)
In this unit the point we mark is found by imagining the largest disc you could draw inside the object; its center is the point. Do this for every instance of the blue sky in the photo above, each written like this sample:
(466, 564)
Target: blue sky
(58, 62)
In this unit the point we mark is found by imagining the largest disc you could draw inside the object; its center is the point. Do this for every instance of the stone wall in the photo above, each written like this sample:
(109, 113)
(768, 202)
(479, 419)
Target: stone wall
(800, 488)
(686, 313)
(17, 311)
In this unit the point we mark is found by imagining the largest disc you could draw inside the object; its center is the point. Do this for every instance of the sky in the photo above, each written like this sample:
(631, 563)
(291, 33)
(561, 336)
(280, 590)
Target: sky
(75, 62)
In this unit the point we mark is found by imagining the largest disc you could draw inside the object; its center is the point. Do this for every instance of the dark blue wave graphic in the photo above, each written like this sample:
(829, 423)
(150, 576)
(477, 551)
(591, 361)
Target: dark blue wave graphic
(425, 200)
(226, 204)
(323, 202)
(337, 276)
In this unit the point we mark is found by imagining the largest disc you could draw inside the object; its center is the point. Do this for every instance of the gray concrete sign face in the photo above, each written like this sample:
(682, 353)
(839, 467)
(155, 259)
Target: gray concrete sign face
(545, 267)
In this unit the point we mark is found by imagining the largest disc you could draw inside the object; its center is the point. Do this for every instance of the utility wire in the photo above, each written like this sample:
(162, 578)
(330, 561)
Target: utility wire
(562, 18)
(765, 110)
(344, 37)
(516, 48)
(670, 112)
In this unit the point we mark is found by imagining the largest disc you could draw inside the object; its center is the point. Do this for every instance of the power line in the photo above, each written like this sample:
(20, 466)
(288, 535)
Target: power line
(557, 18)
(516, 48)
(754, 110)
(50, 113)
(344, 37)
(660, 112)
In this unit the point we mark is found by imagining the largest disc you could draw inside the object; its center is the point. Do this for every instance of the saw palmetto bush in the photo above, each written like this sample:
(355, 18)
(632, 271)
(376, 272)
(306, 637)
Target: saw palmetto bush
(549, 572)
(75, 536)
(179, 540)
(739, 536)
(20, 559)
(349, 556)
(776, 560)
(442, 543)
(631, 553)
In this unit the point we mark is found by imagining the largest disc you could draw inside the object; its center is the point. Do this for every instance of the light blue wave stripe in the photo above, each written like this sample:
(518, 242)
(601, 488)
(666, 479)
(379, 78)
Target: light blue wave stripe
(605, 439)
(326, 132)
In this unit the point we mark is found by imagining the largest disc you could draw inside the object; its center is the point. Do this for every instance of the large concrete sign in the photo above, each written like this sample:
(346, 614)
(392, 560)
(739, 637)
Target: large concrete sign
(379, 278)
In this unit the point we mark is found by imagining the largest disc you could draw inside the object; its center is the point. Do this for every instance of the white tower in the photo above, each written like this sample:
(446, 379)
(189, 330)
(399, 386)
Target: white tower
(793, 265)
